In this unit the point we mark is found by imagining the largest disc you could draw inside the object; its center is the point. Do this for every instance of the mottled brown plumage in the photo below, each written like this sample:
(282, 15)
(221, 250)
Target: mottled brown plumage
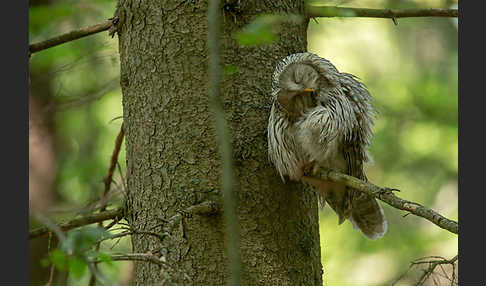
(322, 118)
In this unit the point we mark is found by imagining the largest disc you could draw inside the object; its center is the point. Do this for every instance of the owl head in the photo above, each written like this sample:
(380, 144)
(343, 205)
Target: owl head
(298, 83)
(298, 78)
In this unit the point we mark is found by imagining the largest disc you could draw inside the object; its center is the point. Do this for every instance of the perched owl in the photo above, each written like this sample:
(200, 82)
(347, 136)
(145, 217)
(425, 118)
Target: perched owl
(322, 118)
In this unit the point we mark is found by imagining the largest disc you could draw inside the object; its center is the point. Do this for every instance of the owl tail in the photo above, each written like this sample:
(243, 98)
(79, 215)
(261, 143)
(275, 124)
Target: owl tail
(367, 215)
(336, 195)
(362, 210)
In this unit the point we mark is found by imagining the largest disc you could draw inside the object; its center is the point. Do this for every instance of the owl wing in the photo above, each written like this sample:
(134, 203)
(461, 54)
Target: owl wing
(361, 103)
(366, 214)
(358, 138)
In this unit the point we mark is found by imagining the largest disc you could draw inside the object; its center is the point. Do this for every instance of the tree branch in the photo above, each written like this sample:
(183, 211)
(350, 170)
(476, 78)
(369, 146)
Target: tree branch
(114, 159)
(438, 261)
(89, 219)
(386, 195)
(431, 268)
(312, 11)
(71, 36)
(146, 257)
(334, 11)
(108, 179)
(138, 257)
(204, 208)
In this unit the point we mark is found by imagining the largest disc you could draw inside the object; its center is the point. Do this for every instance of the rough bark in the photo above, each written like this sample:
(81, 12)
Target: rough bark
(172, 156)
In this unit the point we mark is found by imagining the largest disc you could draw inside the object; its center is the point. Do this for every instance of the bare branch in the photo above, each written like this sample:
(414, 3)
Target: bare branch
(51, 275)
(334, 11)
(433, 262)
(386, 195)
(97, 274)
(114, 160)
(49, 227)
(77, 101)
(204, 208)
(71, 36)
(89, 219)
(148, 257)
(312, 11)
(108, 179)
(431, 268)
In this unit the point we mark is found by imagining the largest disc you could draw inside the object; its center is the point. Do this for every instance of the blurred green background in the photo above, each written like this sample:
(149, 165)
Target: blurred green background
(410, 69)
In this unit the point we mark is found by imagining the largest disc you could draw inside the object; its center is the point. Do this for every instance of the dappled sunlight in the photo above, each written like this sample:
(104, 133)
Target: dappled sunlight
(373, 269)
(357, 46)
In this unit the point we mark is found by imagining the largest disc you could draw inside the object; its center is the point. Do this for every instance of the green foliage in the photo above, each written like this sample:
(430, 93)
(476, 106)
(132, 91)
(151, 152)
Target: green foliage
(39, 14)
(76, 249)
(263, 29)
(105, 258)
(80, 240)
(77, 267)
(230, 70)
(59, 258)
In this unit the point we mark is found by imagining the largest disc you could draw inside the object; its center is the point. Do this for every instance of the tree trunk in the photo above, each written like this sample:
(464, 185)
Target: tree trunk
(172, 155)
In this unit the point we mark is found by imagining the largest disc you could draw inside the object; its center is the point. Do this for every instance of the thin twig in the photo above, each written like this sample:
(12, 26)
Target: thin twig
(108, 179)
(132, 232)
(386, 195)
(124, 181)
(77, 101)
(71, 36)
(334, 11)
(49, 227)
(58, 230)
(111, 224)
(89, 219)
(114, 160)
(98, 275)
(204, 208)
(225, 149)
(148, 257)
(438, 261)
(432, 265)
(51, 275)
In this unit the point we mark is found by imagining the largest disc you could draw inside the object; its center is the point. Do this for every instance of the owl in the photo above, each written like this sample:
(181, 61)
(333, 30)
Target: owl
(323, 118)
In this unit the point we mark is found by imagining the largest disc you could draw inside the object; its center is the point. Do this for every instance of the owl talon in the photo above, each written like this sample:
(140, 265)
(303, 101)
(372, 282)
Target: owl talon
(309, 169)
(341, 219)
(388, 190)
(322, 172)
(315, 170)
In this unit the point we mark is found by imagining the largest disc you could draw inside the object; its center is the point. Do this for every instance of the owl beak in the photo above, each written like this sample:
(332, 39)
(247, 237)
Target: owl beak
(308, 90)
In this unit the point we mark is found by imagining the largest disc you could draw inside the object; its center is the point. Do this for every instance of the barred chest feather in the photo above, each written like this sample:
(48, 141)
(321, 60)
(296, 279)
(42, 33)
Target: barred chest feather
(326, 154)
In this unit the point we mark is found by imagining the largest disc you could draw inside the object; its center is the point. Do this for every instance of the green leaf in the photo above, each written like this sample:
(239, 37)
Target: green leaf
(59, 259)
(80, 240)
(40, 17)
(262, 30)
(77, 267)
(229, 70)
(105, 258)
(45, 262)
